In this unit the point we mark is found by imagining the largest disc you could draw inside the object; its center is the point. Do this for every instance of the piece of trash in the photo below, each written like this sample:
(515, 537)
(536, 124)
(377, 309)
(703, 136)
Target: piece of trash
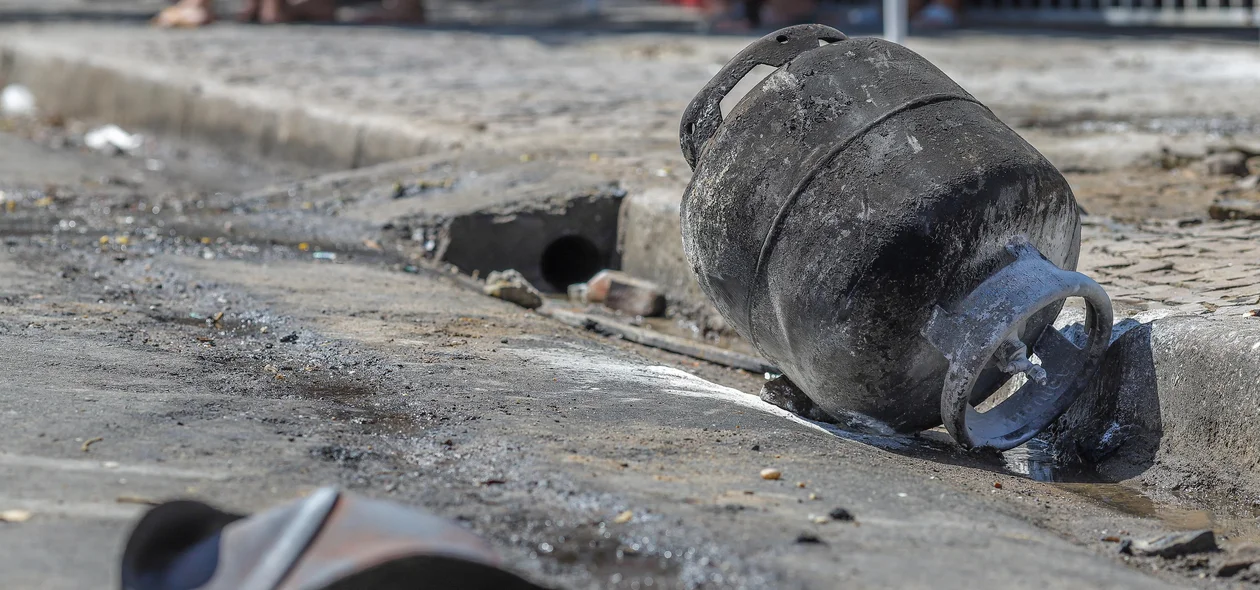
(328, 539)
(997, 485)
(622, 292)
(808, 539)
(771, 473)
(89, 442)
(1242, 558)
(324, 256)
(371, 244)
(113, 139)
(509, 285)
(1177, 544)
(819, 519)
(15, 515)
(840, 514)
(624, 517)
(17, 100)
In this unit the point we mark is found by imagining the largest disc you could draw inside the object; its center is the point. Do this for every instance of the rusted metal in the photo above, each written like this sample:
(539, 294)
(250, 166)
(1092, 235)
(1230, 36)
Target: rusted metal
(328, 541)
(856, 194)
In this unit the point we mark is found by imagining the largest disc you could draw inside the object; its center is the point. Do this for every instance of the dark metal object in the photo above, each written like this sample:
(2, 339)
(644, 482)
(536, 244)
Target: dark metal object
(885, 240)
(327, 541)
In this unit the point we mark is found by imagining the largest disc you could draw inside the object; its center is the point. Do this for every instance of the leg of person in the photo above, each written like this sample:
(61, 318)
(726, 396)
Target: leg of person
(186, 13)
(396, 12)
(285, 11)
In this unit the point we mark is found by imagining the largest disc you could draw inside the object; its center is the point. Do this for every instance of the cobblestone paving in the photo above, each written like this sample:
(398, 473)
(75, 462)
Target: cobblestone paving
(1202, 267)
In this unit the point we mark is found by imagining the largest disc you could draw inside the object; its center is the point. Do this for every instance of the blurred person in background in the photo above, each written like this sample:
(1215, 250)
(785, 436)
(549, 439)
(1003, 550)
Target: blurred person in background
(195, 13)
(738, 15)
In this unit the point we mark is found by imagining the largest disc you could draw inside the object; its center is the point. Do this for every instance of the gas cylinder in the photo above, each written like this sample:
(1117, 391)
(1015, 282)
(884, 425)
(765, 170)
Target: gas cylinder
(883, 238)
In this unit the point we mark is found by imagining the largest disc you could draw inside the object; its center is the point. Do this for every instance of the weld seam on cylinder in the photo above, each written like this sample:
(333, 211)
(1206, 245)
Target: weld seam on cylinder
(772, 235)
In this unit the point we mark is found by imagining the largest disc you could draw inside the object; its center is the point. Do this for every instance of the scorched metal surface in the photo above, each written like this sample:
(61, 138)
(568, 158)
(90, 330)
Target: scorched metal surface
(886, 240)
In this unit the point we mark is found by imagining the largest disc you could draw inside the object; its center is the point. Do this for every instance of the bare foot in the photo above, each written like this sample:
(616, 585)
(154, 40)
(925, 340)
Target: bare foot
(287, 11)
(395, 12)
(186, 14)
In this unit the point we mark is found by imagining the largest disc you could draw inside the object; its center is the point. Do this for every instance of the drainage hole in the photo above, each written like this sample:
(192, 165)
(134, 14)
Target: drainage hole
(569, 260)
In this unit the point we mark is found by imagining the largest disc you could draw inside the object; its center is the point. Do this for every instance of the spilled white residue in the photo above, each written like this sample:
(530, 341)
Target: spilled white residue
(598, 367)
(781, 80)
(914, 143)
(584, 366)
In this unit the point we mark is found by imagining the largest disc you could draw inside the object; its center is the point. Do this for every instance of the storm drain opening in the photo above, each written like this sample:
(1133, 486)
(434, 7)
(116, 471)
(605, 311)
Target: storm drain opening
(568, 260)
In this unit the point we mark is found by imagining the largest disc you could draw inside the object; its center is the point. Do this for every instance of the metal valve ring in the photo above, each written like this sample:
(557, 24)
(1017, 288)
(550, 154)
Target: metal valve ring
(970, 336)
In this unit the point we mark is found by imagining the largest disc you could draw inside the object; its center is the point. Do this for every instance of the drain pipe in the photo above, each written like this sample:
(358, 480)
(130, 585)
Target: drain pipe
(896, 20)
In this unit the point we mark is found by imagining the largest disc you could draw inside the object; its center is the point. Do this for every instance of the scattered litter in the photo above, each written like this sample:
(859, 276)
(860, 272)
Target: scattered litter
(325, 255)
(620, 291)
(771, 473)
(1110, 539)
(800, 484)
(113, 139)
(17, 100)
(840, 514)
(15, 515)
(813, 496)
(89, 442)
(808, 539)
(624, 517)
(1177, 544)
(1252, 313)
(371, 244)
(137, 500)
(509, 285)
(819, 519)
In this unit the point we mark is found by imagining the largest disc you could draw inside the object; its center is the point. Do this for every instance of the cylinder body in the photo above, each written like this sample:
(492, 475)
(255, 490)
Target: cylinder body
(855, 189)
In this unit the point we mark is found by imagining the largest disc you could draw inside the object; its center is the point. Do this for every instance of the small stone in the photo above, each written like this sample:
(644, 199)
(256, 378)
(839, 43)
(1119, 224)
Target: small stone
(1231, 163)
(756, 448)
(15, 515)
(771, 473)
(997, 484)
(1177, 544)
(840, 514)
(1242, 558)
(808, 539)
(624, 517)
(509, 285)
(290, 339)
(813, 496)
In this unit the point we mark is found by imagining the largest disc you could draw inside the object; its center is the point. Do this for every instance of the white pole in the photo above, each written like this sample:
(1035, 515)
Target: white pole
(896, 17)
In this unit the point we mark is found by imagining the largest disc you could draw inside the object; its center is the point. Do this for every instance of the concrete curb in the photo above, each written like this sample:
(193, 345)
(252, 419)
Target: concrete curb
(269, 124)
(1175, 406)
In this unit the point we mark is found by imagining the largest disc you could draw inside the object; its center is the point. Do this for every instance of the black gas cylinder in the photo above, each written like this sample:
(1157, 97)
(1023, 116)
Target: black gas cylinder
(884, 239)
